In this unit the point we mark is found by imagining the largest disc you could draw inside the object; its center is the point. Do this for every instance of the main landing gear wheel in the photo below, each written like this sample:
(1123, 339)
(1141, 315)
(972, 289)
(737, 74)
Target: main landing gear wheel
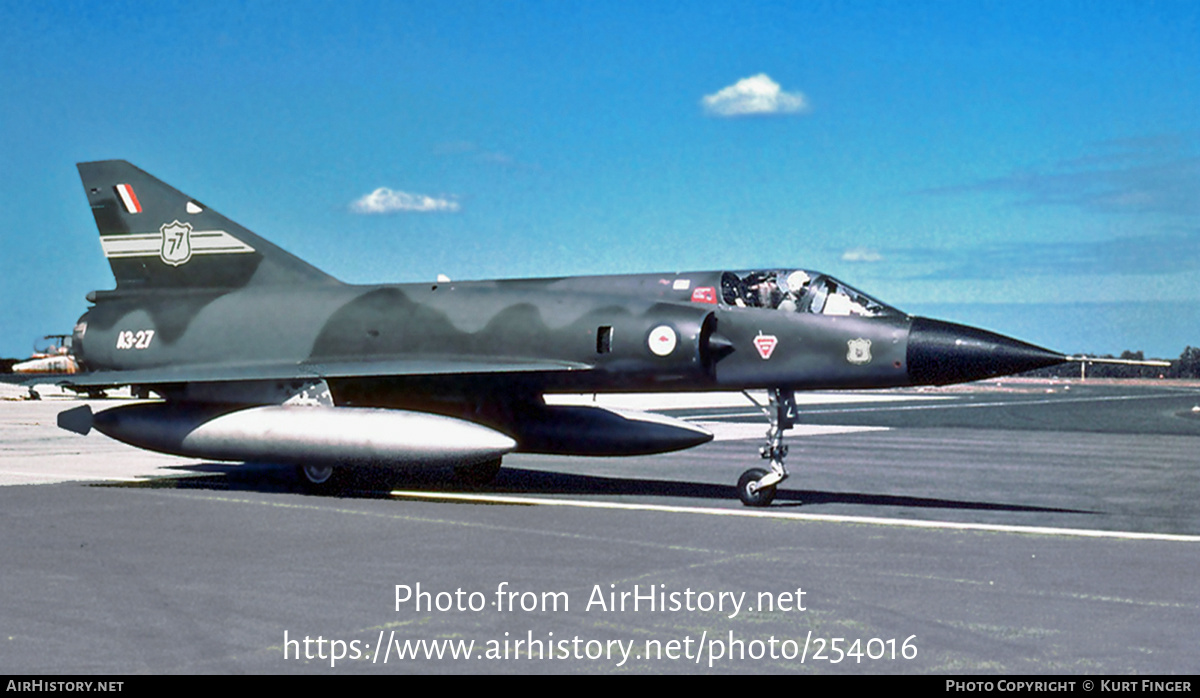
(756, 486)
(478, 474)
(318, 477)
(750, 493)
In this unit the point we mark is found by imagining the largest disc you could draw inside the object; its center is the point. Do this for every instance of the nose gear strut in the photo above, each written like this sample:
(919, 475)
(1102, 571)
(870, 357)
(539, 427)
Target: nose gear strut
(756, 486)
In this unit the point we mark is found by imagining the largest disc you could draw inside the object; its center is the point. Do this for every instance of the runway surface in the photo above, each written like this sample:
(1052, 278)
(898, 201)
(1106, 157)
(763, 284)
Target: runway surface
(1012, 528)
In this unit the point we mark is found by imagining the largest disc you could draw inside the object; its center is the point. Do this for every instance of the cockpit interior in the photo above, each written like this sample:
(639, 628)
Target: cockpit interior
(800, 291)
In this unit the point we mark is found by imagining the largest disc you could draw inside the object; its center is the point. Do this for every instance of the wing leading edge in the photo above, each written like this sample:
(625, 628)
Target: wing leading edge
(409, 366)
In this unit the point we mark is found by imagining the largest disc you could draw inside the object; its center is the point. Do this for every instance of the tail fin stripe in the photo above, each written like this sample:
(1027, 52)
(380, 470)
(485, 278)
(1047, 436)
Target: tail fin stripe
(150, 244)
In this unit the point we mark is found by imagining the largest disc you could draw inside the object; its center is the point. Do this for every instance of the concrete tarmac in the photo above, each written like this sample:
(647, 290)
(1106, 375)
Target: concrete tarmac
(1000, 530)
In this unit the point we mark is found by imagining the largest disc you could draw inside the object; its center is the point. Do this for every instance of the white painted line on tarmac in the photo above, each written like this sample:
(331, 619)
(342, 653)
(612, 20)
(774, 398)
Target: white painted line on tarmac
(741, 431)
(1001, 403)
(956, 404)
(768, 514)
(13, 477)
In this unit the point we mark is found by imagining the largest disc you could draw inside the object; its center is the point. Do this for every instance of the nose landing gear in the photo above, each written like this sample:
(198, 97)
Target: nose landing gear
(756, 486)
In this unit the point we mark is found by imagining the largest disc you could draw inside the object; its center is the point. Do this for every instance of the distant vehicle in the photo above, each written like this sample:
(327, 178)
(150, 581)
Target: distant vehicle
(52, 359)
(51, 363)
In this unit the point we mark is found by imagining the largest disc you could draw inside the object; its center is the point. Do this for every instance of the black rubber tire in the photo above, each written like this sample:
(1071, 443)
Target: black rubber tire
(759, 498)
(320, 479)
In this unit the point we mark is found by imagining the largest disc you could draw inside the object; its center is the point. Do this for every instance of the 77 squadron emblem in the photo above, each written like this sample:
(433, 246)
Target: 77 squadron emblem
(176, 243)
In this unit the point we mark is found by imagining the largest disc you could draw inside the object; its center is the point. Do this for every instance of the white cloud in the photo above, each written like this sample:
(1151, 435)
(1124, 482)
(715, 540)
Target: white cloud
(754, 95)
(384, 200)
(861, 254)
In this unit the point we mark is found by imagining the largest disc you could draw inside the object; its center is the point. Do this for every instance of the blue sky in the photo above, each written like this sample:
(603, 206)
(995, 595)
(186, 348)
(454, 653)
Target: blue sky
(1032, 167)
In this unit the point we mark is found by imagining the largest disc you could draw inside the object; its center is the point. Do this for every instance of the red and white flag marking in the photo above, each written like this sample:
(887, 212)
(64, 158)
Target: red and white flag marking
(129, 198)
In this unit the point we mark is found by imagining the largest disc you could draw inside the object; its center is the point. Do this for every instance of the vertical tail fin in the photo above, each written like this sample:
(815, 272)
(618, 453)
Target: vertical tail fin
(155, 237)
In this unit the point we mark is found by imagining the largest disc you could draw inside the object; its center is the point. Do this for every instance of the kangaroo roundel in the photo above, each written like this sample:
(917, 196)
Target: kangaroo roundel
(662, 340)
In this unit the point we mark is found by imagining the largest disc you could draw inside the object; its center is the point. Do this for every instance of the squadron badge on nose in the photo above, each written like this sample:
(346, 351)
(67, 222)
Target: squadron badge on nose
(858, 351)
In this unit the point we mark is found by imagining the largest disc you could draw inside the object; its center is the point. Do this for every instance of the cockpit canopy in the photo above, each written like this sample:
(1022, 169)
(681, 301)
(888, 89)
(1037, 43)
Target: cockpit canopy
(800, 291)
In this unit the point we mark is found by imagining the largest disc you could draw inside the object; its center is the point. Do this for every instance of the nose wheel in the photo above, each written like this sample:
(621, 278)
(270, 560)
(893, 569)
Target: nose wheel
(750, 492)
(756, 486)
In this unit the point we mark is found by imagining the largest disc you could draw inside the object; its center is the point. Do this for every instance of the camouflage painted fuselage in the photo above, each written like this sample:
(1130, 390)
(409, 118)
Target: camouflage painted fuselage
(582, 334)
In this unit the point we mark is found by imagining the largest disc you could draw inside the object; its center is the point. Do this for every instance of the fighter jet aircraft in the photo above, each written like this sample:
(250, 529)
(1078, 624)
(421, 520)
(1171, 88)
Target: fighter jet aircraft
(52, 359)
(259, 356)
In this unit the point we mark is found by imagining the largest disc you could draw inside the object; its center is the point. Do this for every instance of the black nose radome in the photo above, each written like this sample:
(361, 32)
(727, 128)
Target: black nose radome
(940, 353)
